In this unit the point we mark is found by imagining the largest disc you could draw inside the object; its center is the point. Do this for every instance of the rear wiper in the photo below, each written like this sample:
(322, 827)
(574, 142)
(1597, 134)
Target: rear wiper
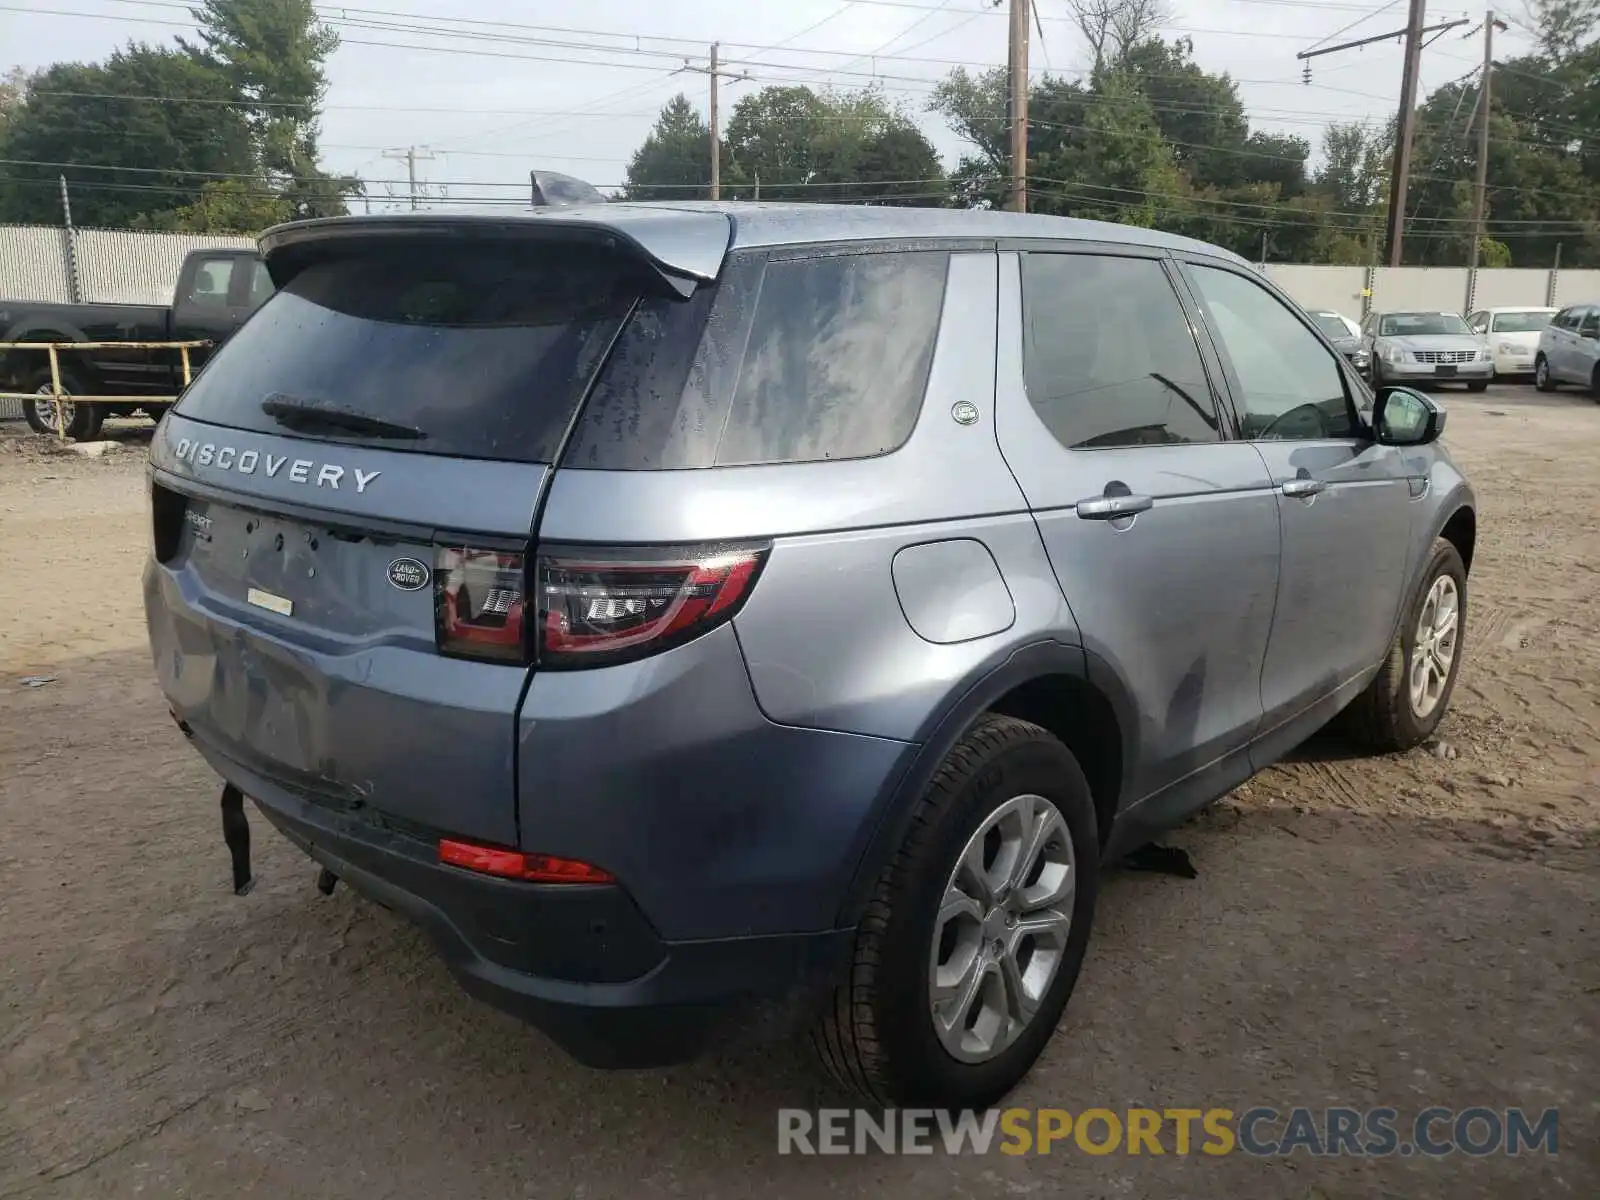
(309, 414)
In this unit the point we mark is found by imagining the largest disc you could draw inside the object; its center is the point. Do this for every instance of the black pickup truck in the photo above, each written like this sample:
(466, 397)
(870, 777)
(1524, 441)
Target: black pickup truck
(217, 290)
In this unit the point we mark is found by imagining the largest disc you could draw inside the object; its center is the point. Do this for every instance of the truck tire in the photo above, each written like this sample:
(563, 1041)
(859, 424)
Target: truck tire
(83, 420)
(988, 902)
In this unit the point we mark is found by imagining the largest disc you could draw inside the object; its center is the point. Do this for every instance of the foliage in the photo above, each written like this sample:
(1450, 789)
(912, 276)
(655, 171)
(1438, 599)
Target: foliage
(791, 143)
(216, 135)
(167, 151)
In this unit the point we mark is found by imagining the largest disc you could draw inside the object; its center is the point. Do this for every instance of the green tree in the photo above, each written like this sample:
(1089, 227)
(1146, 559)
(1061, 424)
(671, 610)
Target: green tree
(271, 53)
(225, 206)
(128, 157)
(674, 161)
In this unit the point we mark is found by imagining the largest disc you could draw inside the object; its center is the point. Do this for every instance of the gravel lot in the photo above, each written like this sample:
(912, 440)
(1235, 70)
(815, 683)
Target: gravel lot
(1412, 931)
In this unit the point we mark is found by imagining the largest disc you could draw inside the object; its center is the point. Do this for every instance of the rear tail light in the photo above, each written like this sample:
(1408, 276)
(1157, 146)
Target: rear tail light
(479, 599)
(515, 864)
(607, 606)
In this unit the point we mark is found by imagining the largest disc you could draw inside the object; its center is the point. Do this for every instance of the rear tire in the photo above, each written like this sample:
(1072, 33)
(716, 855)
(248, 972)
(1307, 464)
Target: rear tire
(1541, 375)
(83, 420)
(1388, 716)
(881, 1037)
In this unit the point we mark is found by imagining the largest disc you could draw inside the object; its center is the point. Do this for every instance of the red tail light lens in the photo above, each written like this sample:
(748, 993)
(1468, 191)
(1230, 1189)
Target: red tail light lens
(602, 606)
(514, 864)
(480, 597)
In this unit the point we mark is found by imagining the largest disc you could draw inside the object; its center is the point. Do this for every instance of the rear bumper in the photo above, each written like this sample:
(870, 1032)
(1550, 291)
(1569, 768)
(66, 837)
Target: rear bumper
(582, 964)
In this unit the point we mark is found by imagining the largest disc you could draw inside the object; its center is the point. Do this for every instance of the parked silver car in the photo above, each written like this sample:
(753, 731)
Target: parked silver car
(1569, 350)
(1426, 347)
(718, 621)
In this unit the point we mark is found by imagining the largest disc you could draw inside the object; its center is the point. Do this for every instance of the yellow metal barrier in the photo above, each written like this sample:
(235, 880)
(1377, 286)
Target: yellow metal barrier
(54, 348)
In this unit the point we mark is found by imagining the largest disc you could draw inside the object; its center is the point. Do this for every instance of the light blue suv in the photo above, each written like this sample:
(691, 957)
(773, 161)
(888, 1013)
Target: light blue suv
(720, 622)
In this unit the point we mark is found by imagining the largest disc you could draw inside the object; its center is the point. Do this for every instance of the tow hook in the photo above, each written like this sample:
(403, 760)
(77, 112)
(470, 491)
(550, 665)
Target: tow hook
(326, 881)
(236, 833)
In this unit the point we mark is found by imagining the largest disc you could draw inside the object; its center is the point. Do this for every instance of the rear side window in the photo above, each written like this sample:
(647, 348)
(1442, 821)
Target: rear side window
(795, 359)
(485, 350)
(1108, 355)
(212, 279)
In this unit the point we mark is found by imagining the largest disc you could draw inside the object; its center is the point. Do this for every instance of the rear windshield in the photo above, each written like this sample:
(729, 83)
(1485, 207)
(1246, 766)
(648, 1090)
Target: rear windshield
(1331, 325)
(1521, 322)
(484, 351)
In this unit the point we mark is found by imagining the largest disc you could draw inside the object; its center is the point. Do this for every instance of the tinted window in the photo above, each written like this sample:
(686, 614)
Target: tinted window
(1108, 356)
(1590, 323)
(1567, 318)
(795, 360)
(1520, 322)
(211, 281)
(486, 350)
(1289, 385)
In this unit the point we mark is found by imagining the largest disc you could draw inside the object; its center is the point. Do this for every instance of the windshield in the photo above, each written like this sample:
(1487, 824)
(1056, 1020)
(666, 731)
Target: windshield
(1331, 324)
(1521, 322)
(475, 351)
(1414, 324)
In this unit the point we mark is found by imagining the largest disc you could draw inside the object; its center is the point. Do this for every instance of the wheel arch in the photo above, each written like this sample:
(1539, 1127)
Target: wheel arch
(1063, 689)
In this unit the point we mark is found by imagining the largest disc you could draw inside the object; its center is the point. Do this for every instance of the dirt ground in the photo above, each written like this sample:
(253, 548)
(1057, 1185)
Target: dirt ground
(1415, 931)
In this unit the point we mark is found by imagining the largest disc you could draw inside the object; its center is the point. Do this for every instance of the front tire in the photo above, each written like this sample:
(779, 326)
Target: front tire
(1541, 375)
(1408, 698)
(975, 933)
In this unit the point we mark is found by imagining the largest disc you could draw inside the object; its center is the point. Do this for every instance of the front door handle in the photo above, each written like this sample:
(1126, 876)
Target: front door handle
(1302, 487)
(1109, 508)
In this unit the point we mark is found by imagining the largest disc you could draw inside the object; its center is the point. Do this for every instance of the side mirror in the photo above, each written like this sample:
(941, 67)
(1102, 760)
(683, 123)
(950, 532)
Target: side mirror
(1403, 416)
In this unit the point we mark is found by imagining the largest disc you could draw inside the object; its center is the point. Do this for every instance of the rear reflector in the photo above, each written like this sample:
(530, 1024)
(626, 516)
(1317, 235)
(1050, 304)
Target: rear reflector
(514, 864)
(607, 606)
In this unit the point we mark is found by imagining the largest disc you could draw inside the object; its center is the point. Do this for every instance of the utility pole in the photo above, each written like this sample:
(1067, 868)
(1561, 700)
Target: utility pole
(1480, 204)
(1018, 106)
(716, 73)
(411, 155)
(1400, 176)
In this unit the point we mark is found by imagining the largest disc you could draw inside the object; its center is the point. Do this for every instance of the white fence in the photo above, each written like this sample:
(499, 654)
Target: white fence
(1356, 291)
(42, 264)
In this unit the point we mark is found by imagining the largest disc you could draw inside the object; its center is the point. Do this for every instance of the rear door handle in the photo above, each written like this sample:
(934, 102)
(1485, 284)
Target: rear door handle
(1302, 487)
(1109, 508)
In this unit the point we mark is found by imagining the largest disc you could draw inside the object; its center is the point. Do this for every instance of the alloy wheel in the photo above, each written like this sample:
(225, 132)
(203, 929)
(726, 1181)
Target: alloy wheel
(1434, 651)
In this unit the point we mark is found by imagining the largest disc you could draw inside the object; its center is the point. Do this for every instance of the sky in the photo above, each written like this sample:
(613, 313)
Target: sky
(490, 92)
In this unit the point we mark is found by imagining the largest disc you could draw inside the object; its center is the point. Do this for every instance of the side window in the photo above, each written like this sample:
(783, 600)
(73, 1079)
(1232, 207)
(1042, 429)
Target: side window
(1289, 385)
(1108, 357)
(211, 282)
(1590, 325)
(1567, 318)
(260, 285)
(799, 358)
(1479, 322)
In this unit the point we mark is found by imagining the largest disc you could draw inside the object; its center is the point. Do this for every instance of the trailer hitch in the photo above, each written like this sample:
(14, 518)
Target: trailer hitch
(236, 833)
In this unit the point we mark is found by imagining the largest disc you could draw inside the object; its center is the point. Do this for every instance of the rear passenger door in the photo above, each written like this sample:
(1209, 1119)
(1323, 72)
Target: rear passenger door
(1344, 501)
(1162, 532)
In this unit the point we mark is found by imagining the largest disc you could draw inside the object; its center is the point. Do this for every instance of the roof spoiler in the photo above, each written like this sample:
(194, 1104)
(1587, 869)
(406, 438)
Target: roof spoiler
(551, 189)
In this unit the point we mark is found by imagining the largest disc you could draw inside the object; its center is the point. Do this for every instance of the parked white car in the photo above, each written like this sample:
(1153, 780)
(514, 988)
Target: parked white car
(1512, 334)
(1569, 350)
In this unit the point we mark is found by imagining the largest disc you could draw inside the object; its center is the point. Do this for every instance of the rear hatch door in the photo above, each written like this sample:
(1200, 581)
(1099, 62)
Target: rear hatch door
(341, 505)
